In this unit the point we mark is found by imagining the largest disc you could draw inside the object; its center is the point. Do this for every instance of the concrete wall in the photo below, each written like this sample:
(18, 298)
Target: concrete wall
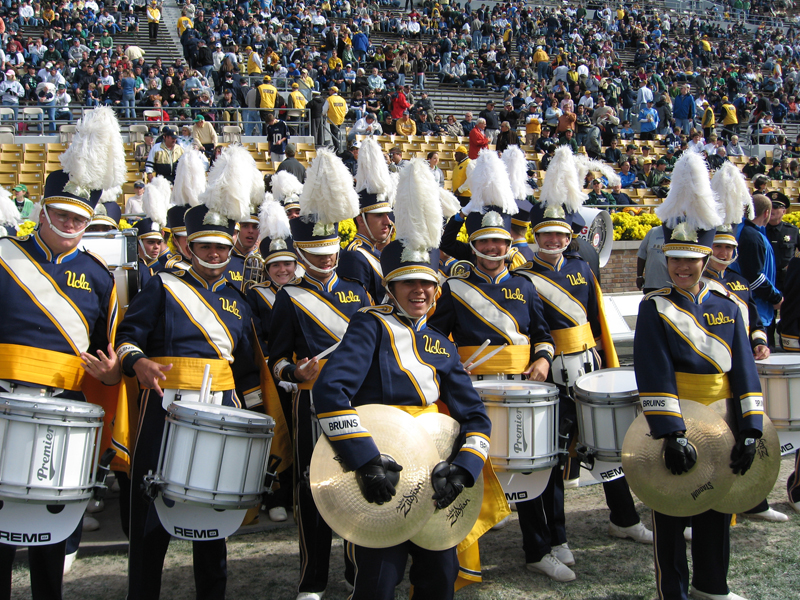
(619, 274)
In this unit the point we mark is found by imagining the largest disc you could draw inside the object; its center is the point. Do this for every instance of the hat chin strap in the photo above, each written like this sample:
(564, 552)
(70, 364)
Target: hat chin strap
(301, 255)
(212, 266)
(726, 262)
(552, 251)
(492, 258)
(58, 232)
(402, 311)
(372, 237)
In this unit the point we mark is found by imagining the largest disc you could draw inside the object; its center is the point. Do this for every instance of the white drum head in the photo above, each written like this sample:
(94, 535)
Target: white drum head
(28, 524)
(515, 390)
(781, 362)
(197, 523)
(186, 410)
(519, 487)
(608, 382)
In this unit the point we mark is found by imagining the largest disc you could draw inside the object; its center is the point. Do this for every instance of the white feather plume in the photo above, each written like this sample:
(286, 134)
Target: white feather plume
(585, 164)
(517, 166)
(37, 208)
(155, 200)
(257, 190)
(9, 215)
(418, 212)
(373, 172)
(95, 160)
(229, 184)
(190, 179)
(490, 185)
(450, 204)
(272, 219)
(392, 196)
(732, 193)
(286, 185)
(328, 194)
(562, 186)
(690, 196)
(110, 195)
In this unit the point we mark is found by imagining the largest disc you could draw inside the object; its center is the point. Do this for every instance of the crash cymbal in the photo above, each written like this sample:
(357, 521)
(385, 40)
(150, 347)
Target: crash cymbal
(691, 493)
(755, 485)
(449, 526)
(339, 499)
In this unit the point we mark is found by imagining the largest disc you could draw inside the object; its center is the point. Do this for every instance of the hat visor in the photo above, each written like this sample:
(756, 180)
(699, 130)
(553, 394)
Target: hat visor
(553, 228)
(412, 272)
(378, 210)
(321, 248)
(253, 219)
(210, 237)
(490, 234)
(726, 239)
(286, 256)
(685, 253)
(81, 209)
(103, 220)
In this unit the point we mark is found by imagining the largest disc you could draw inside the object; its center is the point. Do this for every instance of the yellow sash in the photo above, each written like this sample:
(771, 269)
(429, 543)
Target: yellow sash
(187, 373)
(307, 385)
(705, 389)
(42, 367)
(573, 339)
(511, 359)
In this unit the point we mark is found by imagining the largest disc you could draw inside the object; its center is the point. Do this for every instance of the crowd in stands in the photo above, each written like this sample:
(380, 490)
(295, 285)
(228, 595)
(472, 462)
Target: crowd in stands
(597, 81)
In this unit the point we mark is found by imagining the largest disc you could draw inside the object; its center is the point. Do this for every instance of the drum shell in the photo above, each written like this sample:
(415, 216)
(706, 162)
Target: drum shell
(524, 427)
(780, 386)
(48, 449)
(605, 417)
(214, 455)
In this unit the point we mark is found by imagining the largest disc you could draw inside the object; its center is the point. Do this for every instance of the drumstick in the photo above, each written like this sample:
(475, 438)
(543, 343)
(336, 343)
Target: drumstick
(322, 354)
(487, 357)
(206, 374)
(477, 352)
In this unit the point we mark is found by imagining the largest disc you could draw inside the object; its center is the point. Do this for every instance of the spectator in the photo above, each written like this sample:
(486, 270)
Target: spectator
(492, 119)
(396, 161)
(406, 125)
(508, 137)
(153, 19)
(612, 153)
(134, 204)
(599, 197)
(229, 108)
(453, 128)
(185, 139)
(627, 175)
(46, 93)
(467, 124)
(204, 134)
(11, 91)
(683, 110)
(753, 168)
(648, 121)
(477, 139)
(620, 197)
(292, 165)
(142, 150)
(438, 174)
(366, 125)
(651, 264)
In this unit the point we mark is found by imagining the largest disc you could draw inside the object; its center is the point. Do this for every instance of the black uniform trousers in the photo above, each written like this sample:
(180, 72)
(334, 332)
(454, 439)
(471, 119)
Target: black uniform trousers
(46, 566)
(315, 534)
(148, 539)
(793, 483)
(710, 553)
(543, 521)
(379, 570)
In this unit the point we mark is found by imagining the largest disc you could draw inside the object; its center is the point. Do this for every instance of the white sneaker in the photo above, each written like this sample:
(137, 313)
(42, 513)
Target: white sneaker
(90, 523)
(69, 559)
(638, 533)
(502, 524)
(564, 554)
(687, 534)
(96, 506)
(553, 568)
(698, 595)
(310, 596)
(277, 514)
(795, 506)
(572, 484)
(770, 515)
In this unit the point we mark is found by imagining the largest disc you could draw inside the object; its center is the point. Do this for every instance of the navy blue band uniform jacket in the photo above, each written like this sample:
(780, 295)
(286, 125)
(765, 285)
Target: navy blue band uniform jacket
(697, 349)
(261, 299)
(385, 358)
(181, 316)
(56, 306)
(234, 271)
(362, 261)
(739, 290)
(505, 309)
(310, 316)
(517, 255)
(148, 268)
(789, 325)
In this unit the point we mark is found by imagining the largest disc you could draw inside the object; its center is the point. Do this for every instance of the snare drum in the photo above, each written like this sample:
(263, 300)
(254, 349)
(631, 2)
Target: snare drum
(607, 403)
(214, 456)
(780, 385)
(524, 417)
(48, 449)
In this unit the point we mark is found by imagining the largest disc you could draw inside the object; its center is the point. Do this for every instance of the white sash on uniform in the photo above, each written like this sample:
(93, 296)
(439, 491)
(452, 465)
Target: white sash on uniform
(558, 297)
(493, 315)
(320, 310)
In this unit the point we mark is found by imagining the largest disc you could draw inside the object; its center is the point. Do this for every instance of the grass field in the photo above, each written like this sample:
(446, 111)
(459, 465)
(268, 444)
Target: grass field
(264, 566)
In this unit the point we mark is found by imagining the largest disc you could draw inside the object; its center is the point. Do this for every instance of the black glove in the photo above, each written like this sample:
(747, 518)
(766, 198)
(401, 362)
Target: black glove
(377, 479)
(679, 454)
(744, 451)
(448, 482)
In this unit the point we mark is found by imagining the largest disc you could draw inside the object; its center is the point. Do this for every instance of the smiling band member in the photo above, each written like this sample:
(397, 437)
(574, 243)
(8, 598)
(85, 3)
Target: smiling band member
(390, 356)
(153, 251)
(309, 316)
(178, 324)
(573, 308)
(691, 345)
(374, 224)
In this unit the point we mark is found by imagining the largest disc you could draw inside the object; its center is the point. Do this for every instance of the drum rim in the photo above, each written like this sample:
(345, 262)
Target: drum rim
(499, 384)
(543, 402)
(178, 410)
(61, 407)
(600, 373)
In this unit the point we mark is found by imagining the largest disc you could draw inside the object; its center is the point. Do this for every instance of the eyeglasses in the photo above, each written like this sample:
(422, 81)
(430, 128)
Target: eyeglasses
(64, 218)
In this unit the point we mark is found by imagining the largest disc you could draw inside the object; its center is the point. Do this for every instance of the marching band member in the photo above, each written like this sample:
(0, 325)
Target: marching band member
(691, 344)
(190, 182)
(286, 189)
(489, 303)
(175, 326)
(517, 167)
(308, 317)
(64, 306)
(573, 308)
(107, 213)
(396, 342)
(374, 224)
(280, 262)
(153, 251)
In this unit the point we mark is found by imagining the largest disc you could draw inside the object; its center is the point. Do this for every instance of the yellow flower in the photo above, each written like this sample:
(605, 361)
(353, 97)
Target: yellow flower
(347, 231)
(462, 234)
(25, 228)
(123, 225)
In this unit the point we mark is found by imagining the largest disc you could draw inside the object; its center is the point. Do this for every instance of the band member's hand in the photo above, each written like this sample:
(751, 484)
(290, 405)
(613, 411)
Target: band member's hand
(761, 352)
(538, 370)
(448, 482)
(307, 369)
(778, 305)
(149, 373)
(679, 455)
(744, 452)
(374, 479)
(104, 368)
